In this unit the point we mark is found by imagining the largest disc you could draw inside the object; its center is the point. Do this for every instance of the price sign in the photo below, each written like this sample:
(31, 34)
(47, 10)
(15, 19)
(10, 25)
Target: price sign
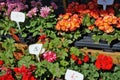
(105, 3)
(17, 17)
(73, 75)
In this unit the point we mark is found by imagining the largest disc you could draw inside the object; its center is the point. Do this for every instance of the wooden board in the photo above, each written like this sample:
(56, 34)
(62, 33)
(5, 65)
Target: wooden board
(115, 55)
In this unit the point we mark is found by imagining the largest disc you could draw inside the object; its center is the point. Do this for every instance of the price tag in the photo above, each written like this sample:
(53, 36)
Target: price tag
(73, 75)
(36, 49)
(105, 3)
(17, 17)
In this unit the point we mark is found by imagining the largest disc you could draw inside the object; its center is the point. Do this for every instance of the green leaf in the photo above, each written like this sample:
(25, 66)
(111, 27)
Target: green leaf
(24, 35)
(96, 38)
(33, 23)
(86, 20)
(26, 60)
(74, 50)
(64, 63)
(49, 25)
(54, 69)
(27, 26)
(35, 33)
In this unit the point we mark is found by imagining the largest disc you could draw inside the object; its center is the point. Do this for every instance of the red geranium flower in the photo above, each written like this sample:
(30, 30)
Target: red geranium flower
(7, 76)
(74, 57)
(104, 62)
(86, 58)
(28, 77)
(1, 62)
(79, 62)
(42, 38)
(21, 70)
(25, 72)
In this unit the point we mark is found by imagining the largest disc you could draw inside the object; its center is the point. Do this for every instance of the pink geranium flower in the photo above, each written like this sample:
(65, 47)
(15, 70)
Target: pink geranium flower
(32, 12)
(44, 11)
(49, 56)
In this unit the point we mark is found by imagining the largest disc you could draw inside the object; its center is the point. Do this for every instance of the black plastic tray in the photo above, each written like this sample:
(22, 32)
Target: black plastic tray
(87, 41)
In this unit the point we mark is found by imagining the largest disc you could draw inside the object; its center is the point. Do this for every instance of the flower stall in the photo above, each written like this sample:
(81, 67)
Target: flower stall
(38, 43)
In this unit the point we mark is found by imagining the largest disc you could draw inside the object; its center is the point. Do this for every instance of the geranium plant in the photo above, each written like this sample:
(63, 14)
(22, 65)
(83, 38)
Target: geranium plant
(57, 35)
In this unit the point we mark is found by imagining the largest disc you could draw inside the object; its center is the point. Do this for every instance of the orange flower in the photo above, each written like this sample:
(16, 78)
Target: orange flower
(108, 29)
(91, 27)
(118, 22)
(107, 19)
(57, 26)
(114, 21)
(94, 13)
(118, 25)
(70, 23)
(72, 28)
(101, 28)
(63, 28)
(99, 22)
(67, 15)
(110, 19)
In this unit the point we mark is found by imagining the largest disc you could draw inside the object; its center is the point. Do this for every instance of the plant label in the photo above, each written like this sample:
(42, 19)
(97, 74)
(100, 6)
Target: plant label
(17, 16)
(73, 75)
(35, 49)
(105, 3)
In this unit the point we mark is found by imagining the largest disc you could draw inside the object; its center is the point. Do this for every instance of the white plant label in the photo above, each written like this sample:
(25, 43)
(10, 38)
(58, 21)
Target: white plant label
(105, 3)
(73, 75)
(36, 49)
(17, 17)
